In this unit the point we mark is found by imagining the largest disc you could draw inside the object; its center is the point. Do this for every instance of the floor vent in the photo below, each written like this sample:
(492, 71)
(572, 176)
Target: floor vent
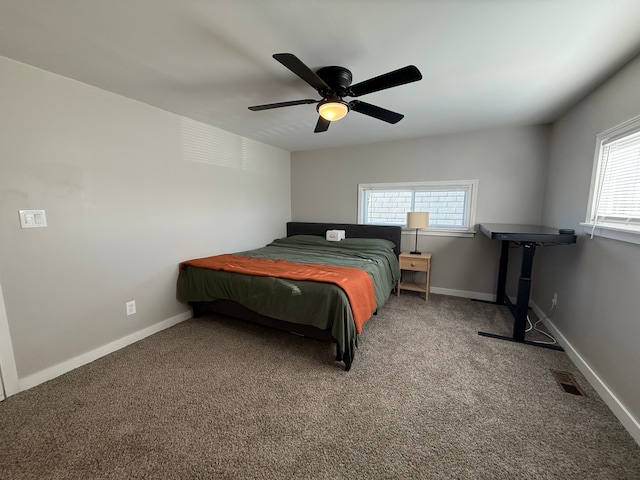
(568, 383)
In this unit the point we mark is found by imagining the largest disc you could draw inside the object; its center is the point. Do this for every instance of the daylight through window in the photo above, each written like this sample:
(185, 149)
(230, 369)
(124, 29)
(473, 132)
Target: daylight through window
(615, 197)
(450, 204)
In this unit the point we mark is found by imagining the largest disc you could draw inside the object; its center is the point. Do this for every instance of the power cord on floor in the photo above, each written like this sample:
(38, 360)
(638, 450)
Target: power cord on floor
(534, 327)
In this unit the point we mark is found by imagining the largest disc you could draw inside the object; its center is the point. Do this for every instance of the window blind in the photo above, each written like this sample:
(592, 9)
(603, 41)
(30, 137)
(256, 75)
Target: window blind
(617, 198)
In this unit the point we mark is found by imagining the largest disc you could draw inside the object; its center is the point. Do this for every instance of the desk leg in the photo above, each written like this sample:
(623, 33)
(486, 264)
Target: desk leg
(520, 309)
(524, 290)
(502, 272)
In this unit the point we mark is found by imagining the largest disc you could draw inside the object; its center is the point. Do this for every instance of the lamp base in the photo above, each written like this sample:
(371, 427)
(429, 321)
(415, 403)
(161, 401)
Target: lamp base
(415, 253)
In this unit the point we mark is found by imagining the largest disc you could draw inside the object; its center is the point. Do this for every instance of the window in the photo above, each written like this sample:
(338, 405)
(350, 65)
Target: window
(614, 202)
(451, 205)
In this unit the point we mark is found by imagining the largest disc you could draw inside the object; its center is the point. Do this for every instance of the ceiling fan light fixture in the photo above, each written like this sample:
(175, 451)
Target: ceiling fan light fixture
(333, 110)
(333, 83)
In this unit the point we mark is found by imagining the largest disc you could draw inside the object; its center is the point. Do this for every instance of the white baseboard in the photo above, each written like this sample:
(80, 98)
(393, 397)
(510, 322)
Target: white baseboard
(73, 363)
(617, 407)
(487, 297)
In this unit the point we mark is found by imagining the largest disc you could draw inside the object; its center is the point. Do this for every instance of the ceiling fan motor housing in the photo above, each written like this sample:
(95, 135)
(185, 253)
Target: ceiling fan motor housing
(338, 78)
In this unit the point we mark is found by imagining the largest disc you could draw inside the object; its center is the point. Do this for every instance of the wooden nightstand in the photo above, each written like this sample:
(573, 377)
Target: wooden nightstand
(415, 263)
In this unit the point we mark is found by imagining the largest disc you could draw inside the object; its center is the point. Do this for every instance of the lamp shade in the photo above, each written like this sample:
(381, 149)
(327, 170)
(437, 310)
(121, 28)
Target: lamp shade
(417, 219)
(332, 111)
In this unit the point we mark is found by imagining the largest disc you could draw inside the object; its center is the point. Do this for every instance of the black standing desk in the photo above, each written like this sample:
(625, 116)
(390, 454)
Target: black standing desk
(526, 236)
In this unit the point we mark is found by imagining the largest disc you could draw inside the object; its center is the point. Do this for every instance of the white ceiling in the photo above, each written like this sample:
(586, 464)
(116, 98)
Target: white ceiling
(484, 62)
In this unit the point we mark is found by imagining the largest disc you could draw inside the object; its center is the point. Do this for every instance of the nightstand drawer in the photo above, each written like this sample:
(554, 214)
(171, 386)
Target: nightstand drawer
(418, 264)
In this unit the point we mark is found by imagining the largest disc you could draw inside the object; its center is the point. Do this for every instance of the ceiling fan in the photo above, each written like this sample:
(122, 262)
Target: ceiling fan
(334, 83)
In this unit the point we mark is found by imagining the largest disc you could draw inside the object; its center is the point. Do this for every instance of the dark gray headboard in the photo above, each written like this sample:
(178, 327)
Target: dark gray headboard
(393, 234)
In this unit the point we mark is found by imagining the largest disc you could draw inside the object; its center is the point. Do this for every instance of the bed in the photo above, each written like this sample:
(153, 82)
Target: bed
(313, 305)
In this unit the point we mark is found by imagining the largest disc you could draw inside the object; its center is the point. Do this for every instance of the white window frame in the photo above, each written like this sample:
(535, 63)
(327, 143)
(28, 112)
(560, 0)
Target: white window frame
(471, 186)
(601, 227)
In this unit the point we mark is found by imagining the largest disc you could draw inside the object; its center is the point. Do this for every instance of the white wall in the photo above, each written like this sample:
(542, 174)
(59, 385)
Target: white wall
(8, 372)
(125, 202)
(598, 280)
(510, 164)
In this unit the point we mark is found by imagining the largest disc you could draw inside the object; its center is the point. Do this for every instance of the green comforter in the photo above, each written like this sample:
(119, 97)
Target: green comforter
(322, 305)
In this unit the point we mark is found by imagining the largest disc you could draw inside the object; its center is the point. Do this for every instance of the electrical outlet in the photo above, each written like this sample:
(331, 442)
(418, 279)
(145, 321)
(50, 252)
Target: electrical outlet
(554, 299)
(131, 307)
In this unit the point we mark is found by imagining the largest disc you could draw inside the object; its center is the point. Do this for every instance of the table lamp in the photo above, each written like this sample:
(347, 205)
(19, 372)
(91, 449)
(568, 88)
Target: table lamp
(417, 220)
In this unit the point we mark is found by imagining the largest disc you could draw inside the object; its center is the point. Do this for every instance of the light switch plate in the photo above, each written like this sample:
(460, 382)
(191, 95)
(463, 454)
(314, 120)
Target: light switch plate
(32, 218)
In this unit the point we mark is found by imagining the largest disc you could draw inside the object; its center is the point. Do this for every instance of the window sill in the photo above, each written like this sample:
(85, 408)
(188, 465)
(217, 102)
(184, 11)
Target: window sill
(439, 233)
(613, 232)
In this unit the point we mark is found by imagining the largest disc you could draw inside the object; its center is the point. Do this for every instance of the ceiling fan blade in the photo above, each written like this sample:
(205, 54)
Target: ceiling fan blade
(375, 111)
(322, 125)
(282, 104)
(398, 77)
(294, 64)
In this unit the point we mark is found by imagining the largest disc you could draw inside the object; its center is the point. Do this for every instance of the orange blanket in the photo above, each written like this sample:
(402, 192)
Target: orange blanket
(356, 283)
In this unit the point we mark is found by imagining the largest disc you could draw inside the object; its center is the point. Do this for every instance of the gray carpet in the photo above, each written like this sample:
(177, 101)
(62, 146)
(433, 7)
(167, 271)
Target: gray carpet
(427, 398)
